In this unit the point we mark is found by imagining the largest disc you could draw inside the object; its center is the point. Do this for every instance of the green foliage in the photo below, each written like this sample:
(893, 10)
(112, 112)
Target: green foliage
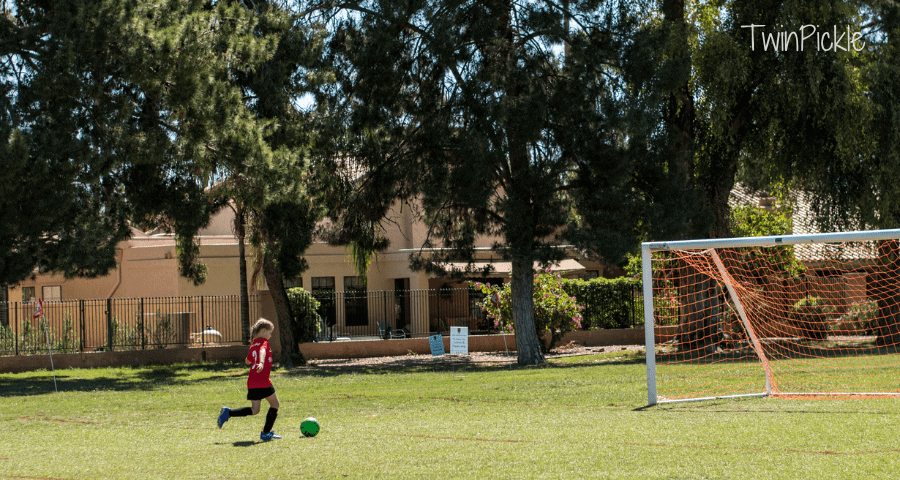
(108, 109)
(555, 311)
(798, 118)
(811, 313)
(750, 221)
(493, 119)
(860, 316)
(633, 266)
(163, 332)
(608, 303)
(134, 336)
(306, 321)
(33, 340)
(69, 341)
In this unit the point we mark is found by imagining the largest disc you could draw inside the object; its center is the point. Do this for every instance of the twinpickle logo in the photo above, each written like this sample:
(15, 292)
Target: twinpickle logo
(808, 36)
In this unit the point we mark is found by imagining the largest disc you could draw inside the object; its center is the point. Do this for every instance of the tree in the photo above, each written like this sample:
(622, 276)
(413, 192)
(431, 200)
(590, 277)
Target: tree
(727, 103)
(106, 106)
(265, 166)
(502, 118)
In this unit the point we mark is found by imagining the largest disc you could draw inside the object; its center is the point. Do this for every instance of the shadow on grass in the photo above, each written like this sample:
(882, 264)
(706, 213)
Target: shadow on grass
(456, 365)
(782, 349)
(762, 405)
(243, 444)
(131, 378)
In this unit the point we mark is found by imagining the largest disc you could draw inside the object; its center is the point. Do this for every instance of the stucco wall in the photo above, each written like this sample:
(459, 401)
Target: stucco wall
(325, 350)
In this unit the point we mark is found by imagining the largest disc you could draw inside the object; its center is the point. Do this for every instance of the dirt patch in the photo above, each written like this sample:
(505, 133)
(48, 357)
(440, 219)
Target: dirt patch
(473, 358)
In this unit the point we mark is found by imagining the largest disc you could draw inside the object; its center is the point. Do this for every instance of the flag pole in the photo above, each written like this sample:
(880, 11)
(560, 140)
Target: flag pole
(39, 313)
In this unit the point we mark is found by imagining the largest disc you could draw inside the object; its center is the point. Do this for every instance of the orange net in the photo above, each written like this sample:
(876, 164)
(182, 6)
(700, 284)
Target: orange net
(804, 320)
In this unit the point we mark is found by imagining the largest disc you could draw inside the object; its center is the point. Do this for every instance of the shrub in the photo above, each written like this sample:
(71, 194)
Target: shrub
(861, 316)
(7, 340)
(810, 314)
(69, 342)
(608, 303)
(555, 311)
(164, 333)
(306, 321)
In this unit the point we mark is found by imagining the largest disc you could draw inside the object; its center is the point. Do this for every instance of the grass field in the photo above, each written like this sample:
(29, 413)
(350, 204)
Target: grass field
(582, 417)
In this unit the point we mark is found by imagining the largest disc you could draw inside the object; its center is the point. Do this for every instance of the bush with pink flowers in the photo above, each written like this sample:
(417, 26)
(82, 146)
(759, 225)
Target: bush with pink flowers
(555, 311)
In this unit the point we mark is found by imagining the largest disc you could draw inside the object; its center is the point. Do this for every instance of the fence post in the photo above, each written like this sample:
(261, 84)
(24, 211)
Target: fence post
(17, 328)
(81, 322)
(202, 328)
(143, 330)
(110, 334)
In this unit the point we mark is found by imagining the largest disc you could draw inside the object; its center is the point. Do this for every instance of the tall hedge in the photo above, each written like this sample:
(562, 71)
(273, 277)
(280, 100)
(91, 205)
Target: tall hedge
(608, 303)
(306, 321)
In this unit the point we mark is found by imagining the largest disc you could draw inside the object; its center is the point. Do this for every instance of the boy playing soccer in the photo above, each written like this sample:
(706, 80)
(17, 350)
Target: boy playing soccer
(259, 386)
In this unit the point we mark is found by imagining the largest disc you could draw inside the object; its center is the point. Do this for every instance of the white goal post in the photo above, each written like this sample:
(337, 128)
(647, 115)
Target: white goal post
(704, 284)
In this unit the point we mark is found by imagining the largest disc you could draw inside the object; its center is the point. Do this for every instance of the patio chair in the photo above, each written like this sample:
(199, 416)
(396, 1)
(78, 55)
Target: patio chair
(385, 331)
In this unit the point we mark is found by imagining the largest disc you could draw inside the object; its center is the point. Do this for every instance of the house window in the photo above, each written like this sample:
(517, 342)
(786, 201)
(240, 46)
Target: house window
(53, 293)
(355, 301)
(293, 282)
(322, 289)
(27, 294)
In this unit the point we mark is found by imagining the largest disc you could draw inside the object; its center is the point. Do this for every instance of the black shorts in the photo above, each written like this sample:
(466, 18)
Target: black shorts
(260, 393)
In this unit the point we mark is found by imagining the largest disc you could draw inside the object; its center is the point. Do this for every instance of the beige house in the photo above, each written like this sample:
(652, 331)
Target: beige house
(147, 267)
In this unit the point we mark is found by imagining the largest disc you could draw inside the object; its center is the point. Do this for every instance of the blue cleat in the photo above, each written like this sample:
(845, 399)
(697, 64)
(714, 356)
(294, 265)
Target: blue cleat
(224, 415)
(266, 436)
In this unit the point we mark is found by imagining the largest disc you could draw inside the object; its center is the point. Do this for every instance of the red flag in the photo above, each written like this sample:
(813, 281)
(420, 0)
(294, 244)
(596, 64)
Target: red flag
(39, 309)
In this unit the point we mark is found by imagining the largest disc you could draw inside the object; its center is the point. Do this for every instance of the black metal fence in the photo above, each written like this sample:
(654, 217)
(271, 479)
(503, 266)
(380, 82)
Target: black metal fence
(122, 324)
(143, 323)
(398, 313)
(419, 313)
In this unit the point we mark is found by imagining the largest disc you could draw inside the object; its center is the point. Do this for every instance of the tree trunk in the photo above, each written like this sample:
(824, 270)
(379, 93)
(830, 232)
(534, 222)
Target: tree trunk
(241, 234)
(521, 217)
(722, 171)
(528, 343)
(290, 353)
(679, 111)
(702, 312)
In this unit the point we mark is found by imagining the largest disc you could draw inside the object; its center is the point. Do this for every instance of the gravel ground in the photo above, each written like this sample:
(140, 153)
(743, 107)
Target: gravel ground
(473, 358)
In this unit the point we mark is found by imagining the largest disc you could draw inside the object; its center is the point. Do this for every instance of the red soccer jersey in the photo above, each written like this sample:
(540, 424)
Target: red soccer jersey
(259, 379)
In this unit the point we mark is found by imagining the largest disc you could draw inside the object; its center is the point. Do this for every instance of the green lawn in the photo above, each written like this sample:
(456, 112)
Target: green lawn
(829, 372)
(579, 418)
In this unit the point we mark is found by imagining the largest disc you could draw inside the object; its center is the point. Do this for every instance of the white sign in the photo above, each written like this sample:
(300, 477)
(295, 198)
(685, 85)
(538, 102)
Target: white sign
(437, 345)
(459, 340)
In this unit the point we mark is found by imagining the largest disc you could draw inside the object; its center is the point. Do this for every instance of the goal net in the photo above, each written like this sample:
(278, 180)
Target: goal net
(794, 315)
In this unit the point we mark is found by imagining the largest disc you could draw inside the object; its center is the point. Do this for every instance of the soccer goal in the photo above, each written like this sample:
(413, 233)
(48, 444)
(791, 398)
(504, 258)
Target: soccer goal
(793, 315)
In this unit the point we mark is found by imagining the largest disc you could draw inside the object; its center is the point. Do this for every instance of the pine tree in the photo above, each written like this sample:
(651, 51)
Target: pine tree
(107, 105)
(501, 118)
(265, 161)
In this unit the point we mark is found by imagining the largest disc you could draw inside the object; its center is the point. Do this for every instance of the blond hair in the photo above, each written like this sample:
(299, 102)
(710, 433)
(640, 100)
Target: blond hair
(261, 324)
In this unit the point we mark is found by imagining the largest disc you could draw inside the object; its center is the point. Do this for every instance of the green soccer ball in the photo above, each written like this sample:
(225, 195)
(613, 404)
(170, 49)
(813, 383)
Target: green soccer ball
(309, 427)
